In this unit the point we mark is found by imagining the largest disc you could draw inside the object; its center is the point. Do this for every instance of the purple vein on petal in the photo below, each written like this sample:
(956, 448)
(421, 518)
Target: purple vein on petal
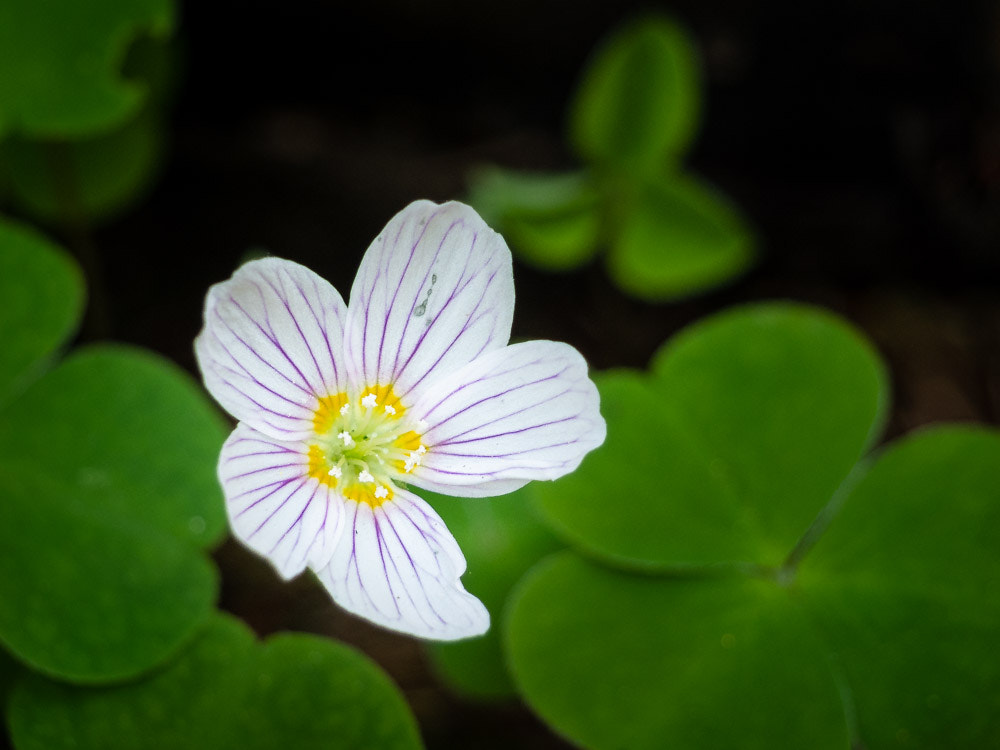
(415, 568)
(382, 551)
(470, 383)
(297, 523)
(257, 354)
(262, 498)
(273, 337)
(492, 396)
(282, 296)
(419, 289)
(451, 439)
(399, 286)
(320, 324)
(467, 325)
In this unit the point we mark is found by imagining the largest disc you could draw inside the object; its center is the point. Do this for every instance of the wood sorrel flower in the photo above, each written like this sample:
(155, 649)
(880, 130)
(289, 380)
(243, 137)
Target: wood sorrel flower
(342, 407)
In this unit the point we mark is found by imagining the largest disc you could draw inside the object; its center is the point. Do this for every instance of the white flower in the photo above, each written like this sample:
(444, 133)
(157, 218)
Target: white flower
(341, 407)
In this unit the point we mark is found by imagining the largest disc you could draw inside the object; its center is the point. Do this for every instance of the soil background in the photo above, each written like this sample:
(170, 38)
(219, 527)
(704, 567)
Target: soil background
(861, 139)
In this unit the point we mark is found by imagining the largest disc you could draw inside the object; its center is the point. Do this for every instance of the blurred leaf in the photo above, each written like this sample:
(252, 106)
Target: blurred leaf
(107, 173)
(638, 101)
(618, 661)
(310, 692)
(88, 596)
(191, 703)
(10, 671)
(551, 221)
(904, 581)
(677, 239)
(61, 61)
(501, 539)
(127, 434)
(750, 422)
(225, 692)
(107, 488)
(41, 300)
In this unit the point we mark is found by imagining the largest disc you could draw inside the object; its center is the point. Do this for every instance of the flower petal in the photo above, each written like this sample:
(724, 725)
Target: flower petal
(272, 346)
(434, 291)
(399, 566)
(524, 412)
(275, 508)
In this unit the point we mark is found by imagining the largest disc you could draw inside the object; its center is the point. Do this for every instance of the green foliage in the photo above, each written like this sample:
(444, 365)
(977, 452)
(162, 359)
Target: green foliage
(10, 671)
(501, 538)
(748, 423)
(309, 692)
(129, 435)
(677, 239)
(95, 175)
(225, 691)
(89, 597)
(107, 486)
(667, 235)
(612, 661)
(639, 100)
(98, 176)
(61, 64)
(904, 584)
(41, 298)
(745, 575)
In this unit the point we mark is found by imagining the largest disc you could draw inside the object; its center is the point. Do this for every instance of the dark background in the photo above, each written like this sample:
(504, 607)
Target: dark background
(862, 139)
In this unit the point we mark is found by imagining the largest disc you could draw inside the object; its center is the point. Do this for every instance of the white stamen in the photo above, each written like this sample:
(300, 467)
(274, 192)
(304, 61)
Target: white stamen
(390, 410)
(369, 401)
(346, 437)
(344, 409)
(366, 476)
(381, 492)
(336, 471)
(413, 460)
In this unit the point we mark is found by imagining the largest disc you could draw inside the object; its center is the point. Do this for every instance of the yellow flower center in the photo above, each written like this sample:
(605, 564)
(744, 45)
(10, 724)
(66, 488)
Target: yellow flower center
(362, 444)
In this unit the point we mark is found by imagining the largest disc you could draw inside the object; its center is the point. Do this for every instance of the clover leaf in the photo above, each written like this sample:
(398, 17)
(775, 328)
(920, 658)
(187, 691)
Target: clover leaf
(108, 172)
(611, 660)
(678, 238)
(747, 425)
(95, 177)
(61, 62)
(795, 589)
(665, 234)
(225, 691)
(42, 297)
(107, 487)
(639, 99)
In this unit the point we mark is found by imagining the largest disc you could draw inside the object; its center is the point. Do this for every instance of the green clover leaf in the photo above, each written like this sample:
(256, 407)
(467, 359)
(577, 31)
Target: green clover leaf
(107, 487)
(666, 234)
(678, 238)
(225, 691)
(749, 422)
(638, 102)
(747, 574)
(61, 61)
(42, 299)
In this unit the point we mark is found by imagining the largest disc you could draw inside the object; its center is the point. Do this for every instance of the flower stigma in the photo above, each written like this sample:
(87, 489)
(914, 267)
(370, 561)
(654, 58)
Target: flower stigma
(363, 449)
